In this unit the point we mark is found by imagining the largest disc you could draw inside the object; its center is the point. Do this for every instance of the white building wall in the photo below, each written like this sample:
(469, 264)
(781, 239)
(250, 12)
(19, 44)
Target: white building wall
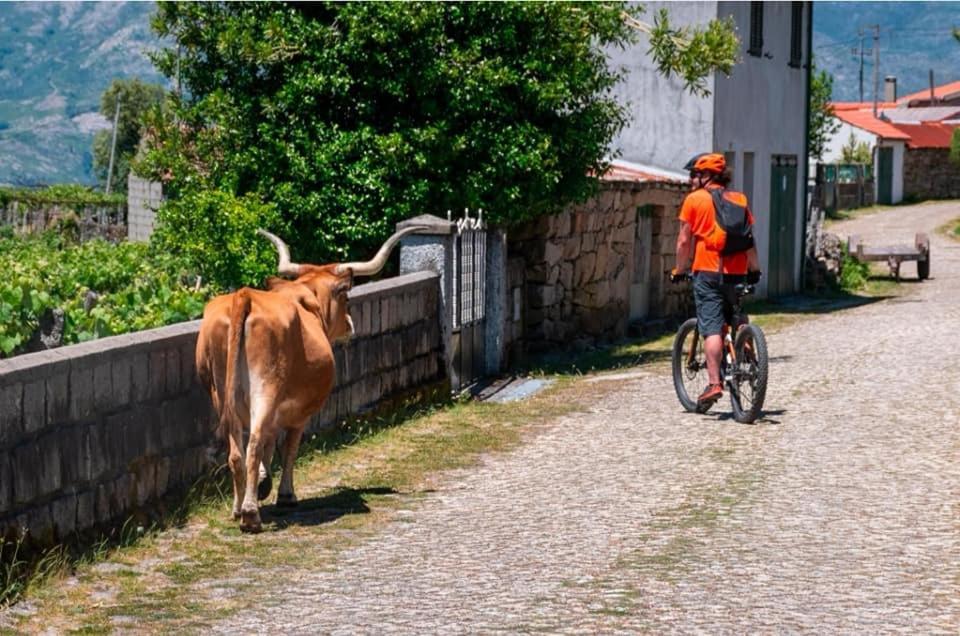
(834, 150)
(667, 124)
(761, 108)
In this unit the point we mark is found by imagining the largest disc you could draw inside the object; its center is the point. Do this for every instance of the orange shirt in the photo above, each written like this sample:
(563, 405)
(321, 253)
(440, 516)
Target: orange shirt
(697, 210)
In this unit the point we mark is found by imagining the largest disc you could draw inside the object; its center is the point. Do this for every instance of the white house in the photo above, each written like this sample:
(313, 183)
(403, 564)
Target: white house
(909, 140)
(757, 117)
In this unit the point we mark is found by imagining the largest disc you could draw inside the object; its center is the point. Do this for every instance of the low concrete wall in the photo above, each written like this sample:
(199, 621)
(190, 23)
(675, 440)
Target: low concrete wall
(579, 266)
(92, 433)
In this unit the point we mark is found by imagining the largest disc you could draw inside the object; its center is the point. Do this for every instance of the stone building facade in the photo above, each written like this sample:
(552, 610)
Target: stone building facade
(586, 272)
(928, 173)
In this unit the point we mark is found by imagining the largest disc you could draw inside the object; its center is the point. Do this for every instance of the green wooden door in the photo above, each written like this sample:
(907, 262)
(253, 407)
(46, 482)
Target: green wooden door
(885, 174)
(783, 224)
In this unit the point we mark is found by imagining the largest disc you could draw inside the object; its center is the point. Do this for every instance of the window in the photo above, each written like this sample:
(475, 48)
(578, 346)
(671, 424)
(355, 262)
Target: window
(796, 34)
(756, 29)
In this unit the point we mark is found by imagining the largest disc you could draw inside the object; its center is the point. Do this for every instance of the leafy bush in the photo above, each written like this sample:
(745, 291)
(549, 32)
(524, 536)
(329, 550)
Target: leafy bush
(853, 273)
(353, 116)
(135, 289)
(66, 194)
(215, 233)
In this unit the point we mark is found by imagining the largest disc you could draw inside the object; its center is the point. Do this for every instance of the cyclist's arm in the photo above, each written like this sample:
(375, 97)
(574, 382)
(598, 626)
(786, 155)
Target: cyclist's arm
(753, 261)
(684, 247)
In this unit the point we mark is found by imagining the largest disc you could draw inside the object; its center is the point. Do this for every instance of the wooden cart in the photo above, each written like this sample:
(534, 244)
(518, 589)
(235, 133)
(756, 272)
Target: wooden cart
(894, 255)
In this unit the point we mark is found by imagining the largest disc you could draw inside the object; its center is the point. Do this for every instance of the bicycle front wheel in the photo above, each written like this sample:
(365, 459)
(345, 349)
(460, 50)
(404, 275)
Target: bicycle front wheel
(748, 381)
(689, 366)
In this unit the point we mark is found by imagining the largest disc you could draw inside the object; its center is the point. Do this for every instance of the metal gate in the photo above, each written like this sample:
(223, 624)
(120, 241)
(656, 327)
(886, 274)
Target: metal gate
(469, 300)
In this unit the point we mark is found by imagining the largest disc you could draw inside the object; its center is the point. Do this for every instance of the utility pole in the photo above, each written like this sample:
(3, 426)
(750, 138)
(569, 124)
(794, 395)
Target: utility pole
(861, 65)
(876, 66)
(113, 144)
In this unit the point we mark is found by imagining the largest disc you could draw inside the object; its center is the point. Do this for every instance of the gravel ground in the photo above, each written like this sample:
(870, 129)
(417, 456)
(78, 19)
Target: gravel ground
(838, 513)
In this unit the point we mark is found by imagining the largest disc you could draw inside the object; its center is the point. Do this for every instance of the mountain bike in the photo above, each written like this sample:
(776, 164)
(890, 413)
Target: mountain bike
(743, 364)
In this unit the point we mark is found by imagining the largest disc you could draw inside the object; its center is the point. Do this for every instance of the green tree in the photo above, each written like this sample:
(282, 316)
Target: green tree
(856, 152)
(823, 125)
(349, 117)
(955, 147)
(136, 98)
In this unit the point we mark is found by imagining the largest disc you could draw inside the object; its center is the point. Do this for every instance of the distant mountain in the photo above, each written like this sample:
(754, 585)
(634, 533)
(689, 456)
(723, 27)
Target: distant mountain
(56, 59)
(915, 37)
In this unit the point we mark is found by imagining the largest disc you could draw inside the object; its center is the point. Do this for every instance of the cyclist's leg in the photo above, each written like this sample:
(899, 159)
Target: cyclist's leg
(710, 315)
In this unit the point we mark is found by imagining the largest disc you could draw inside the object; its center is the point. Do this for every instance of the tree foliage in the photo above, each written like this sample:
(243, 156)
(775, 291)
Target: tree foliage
(135, 98)
(823, 125)
(349, 117)
(955, 147)
(856, 152)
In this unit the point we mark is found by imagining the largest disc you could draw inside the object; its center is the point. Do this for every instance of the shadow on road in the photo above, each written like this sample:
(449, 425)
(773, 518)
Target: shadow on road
(319, 510)
(765, 418)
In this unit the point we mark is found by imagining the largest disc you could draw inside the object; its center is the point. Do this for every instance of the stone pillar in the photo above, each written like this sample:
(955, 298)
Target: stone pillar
(497, 309)
(431, 249)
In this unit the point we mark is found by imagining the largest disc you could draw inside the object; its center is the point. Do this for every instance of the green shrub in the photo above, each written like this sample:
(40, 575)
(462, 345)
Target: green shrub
(215, 233)
(134, 288)
(853, 273)
(352, 116)
(64, 194)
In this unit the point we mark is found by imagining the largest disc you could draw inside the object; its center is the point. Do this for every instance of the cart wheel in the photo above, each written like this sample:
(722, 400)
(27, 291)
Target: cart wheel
(922, 242)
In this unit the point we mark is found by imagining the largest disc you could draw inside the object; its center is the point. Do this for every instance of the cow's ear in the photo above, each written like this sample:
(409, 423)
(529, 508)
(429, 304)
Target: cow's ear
(273, 282)
(343, 286)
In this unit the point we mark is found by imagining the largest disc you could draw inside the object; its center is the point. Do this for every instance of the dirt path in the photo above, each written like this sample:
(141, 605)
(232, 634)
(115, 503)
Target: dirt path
(839, 513)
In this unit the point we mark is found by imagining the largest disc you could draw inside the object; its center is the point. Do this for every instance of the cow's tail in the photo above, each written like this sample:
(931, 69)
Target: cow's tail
(239, 311)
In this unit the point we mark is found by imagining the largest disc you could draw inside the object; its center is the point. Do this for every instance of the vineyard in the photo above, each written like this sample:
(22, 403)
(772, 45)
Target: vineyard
(88, 290)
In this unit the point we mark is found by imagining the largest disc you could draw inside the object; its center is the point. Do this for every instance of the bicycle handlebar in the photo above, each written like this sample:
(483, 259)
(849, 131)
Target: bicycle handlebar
(742, 289)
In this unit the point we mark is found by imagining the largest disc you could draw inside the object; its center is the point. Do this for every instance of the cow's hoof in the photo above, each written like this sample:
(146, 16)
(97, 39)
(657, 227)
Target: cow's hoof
(264, 487)
(250, 522)
(287, 500)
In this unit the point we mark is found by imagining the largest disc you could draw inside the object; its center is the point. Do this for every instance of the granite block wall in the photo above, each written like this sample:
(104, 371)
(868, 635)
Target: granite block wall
(578, 266)
(928, 173)
(92, 433)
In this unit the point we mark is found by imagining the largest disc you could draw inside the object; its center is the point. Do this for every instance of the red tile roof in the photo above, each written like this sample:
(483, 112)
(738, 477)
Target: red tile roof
(622, 171)
(843, 106)
(941, 92)
(928, 135)
(865, 120)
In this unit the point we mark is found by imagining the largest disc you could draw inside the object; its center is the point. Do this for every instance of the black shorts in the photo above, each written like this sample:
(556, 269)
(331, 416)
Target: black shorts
(715, 301)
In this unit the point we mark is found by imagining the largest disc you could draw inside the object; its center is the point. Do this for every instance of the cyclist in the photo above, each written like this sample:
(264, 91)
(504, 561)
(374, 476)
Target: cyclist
(715, 275)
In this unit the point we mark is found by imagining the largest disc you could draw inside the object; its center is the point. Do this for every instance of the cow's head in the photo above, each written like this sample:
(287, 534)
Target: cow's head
(329, 284)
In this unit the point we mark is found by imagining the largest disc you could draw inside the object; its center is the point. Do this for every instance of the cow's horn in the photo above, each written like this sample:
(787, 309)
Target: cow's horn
(284, 266)
(373, 266)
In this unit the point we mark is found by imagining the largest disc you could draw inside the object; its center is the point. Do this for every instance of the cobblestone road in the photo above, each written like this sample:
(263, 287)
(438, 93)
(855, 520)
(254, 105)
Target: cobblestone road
(838, 514)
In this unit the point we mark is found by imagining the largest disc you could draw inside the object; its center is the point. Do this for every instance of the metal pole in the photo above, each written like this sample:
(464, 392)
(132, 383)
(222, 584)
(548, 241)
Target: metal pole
(861, 66)
(876, 66)
(113, 144)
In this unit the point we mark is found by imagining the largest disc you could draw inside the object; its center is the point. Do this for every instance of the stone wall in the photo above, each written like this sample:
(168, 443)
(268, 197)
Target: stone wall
(582, 266)
(143, 199)
(93, 433)
(88, 221)
(928, 173)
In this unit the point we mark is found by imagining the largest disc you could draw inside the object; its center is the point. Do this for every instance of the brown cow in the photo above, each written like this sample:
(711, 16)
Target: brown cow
(266, 358)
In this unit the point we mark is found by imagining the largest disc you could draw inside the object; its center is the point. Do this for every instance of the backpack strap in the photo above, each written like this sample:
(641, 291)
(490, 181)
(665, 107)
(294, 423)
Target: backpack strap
(717, 194)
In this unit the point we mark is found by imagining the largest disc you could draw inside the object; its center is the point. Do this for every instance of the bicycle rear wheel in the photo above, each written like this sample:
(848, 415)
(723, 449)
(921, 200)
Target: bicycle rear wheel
(748, 381)
(689, 366)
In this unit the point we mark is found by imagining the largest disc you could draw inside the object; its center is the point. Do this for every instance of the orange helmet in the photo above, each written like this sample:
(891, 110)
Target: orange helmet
(707, 162)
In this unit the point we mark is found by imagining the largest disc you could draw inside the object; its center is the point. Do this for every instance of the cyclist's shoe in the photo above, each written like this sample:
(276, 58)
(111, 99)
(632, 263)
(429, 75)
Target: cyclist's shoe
(711, 394)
